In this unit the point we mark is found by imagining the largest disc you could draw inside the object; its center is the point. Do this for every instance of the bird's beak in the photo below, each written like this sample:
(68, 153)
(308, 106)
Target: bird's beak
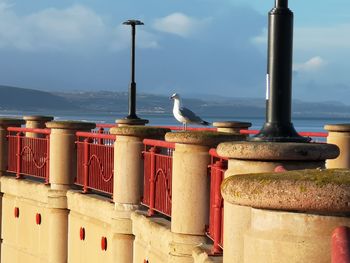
(170, 98)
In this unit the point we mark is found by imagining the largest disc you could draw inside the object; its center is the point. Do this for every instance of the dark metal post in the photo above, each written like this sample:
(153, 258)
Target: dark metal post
(278, 126)
(132, 87)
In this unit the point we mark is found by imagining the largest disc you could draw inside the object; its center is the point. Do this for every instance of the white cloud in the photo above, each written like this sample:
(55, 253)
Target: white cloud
(179, 24)
(329, 37)
(311, 38)
(76, 28)
(313, 64)
(122, 37)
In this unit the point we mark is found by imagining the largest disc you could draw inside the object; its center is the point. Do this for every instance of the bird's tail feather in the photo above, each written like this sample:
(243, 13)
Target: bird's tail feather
(205, 123)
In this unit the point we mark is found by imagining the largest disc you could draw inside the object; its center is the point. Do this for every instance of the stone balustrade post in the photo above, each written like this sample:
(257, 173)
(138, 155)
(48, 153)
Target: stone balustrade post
(63, 154)
(190, 186)
(128, 162)
(339, 134)
(63, 168)
(128, 182)
(233, 127)
(36, 122)
(4, 124)
(292, 215)
(260, 157)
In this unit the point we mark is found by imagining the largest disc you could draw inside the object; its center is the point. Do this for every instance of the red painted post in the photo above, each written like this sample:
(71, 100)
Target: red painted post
(47, 177)
(18, 154)
(100, 131)
(218, 166)
(341, 245)
(86, 164)
(152, 181)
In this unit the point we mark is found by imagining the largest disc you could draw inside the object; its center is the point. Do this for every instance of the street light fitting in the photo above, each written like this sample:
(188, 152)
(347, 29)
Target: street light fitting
(132, 22)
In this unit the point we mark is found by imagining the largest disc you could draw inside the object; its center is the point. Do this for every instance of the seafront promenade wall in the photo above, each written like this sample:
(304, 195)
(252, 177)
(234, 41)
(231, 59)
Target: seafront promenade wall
(159, 198)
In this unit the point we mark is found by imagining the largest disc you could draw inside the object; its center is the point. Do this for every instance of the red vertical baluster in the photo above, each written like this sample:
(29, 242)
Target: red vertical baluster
(18, 154)
(218, 166)
(152, 181)
(341, 245)
(100, 131)
(47, 160)
(86, 164)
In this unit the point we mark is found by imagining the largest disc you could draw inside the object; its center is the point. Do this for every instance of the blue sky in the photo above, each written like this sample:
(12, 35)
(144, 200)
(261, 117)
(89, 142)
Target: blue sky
(188, 46)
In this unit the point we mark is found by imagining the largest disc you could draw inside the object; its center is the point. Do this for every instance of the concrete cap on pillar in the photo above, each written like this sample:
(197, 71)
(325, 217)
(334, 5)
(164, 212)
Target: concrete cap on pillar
(38, 118)
(278, 151)
(231, 126)
(342, 127)
(322, 191)
(204, 138)
(131, 122)
(149, 132)
(7, 122)
(70, 125)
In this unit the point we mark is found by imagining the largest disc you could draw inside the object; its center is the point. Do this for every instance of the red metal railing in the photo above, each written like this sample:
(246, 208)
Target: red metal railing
(341, 245)
(103, 128)
(29, 155)
(95, 162)
(217, 167)
(157, 176)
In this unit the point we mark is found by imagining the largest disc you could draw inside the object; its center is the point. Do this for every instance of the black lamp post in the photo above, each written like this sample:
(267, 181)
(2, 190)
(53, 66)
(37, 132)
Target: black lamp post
(132, 88)
(278, 126)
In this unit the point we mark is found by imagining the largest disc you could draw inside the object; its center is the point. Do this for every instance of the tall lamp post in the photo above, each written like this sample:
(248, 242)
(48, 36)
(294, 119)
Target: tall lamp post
(132, 117)
(278, 126)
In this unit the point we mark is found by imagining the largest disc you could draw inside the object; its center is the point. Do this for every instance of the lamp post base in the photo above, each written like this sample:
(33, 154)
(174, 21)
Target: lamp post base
(131, 121)
(275, 132)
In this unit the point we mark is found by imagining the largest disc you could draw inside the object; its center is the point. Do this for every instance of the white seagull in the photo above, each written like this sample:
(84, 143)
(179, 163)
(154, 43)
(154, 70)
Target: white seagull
(185, 115)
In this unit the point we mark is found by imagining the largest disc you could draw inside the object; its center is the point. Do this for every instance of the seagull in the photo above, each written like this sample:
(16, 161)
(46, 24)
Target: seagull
(185, 115)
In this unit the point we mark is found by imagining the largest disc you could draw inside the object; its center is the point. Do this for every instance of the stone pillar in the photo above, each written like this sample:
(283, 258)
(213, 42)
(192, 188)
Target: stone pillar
(58, 238)
(259, 157)
(128, 183)
(63, 162)
(339, 134)
(234, 127)
(36, 122)
(4, 124)
(63, 155)
(190, 183)
(293, 217)
(128, 162)
(123, 244)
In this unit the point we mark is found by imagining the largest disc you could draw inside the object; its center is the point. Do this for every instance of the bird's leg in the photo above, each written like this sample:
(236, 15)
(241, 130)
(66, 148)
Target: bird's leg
(185, 126)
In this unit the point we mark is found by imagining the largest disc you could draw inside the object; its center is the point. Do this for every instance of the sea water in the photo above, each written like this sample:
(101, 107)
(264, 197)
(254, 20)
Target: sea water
(300, 124)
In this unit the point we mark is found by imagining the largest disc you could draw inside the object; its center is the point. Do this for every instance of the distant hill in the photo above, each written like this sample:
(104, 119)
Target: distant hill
(108, 101)
(103, 102)
(13, 98)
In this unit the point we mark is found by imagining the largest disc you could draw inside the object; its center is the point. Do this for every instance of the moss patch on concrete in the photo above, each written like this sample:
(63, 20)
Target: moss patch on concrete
(205, 138)
(310, 190)
(71, 125)
(278, 151)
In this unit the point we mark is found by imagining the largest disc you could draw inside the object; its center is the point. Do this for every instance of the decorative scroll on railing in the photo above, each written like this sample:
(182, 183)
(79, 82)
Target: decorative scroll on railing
(95, 159)
(217, 167)
(158, 176)
(29, 155)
